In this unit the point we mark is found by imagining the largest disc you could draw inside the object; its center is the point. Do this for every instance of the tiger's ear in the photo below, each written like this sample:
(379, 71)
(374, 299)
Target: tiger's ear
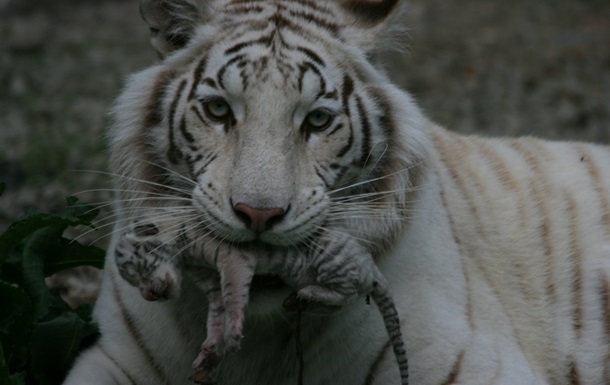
(172, 23)
(374, 24)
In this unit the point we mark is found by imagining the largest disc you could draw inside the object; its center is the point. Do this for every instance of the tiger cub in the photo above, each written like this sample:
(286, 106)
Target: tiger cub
(335, 273)
(268, 130)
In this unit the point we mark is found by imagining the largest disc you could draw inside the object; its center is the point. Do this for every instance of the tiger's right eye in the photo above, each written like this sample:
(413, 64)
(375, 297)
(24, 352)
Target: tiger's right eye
(318, 120)
(217, 109)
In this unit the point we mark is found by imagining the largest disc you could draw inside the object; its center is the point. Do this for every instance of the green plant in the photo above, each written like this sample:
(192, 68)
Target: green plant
(40, 335)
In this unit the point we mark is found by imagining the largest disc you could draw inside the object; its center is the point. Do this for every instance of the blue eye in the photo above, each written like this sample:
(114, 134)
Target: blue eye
(318, 120)
(217, 109)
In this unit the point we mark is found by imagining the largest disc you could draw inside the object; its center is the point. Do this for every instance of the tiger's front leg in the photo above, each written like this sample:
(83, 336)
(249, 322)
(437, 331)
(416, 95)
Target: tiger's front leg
(147, 259)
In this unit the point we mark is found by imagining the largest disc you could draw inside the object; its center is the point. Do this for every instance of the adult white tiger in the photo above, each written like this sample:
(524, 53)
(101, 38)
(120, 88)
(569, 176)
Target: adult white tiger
(266, 122)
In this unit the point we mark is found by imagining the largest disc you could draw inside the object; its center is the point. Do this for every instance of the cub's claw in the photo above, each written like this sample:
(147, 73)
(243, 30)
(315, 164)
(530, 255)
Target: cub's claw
(206, 361)
(201, 377)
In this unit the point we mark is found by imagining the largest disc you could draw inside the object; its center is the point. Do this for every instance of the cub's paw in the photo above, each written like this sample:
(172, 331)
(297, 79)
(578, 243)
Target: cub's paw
(162, 283)
(148, 262)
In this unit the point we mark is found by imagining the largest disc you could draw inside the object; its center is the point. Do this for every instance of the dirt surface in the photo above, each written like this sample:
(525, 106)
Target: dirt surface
(524, 67)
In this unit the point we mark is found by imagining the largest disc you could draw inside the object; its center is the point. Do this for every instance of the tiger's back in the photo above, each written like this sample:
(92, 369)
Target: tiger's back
(530, 220)
(497, 251)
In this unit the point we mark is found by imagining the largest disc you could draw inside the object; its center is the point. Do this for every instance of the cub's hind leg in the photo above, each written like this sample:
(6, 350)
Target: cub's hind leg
(227, 291)
(212, 349)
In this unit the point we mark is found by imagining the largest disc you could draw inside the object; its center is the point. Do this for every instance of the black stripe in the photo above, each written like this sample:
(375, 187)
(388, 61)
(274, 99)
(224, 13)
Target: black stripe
(574, 375)
(337, 128)
(312, 56)
(455, 371)
(221, 72)
(371, 12)
(322, 178)
(346, 92)
(199, 70)
(332, 95)
(210, 82)
(154, 116)
(264, 40)
(191, 163)
(203, 168)
(313, 5)
(187, 135)
(348, 89)
(366, 132)
(173, 154)
(349, 144)
(314, 19)
(196, 111)
(307, 66)
(212, 158)
(384, 107)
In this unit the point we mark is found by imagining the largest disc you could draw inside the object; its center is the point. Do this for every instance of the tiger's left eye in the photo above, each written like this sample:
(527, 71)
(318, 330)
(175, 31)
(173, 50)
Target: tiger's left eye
(318, 120)
(217, 109)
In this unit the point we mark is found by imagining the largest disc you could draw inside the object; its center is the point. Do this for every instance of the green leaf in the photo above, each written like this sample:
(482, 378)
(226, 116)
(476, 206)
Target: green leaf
(73, 215)
(39, 334)
(36, 249)
(14, 303)
(55, 344)
(5, 374)
(68, 254)
(16, 326)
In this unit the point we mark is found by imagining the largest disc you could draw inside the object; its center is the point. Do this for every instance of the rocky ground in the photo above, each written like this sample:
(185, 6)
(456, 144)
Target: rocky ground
(524, 67)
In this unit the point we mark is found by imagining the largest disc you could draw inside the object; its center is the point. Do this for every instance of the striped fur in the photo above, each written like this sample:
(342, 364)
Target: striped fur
(496, 251)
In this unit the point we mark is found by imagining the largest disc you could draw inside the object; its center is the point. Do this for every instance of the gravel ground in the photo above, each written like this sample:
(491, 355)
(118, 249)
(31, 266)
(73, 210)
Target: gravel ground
(524, 67)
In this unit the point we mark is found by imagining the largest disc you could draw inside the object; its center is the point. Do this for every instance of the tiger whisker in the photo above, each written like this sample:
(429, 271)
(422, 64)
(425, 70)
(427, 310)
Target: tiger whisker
(119, 229)
(360, 183)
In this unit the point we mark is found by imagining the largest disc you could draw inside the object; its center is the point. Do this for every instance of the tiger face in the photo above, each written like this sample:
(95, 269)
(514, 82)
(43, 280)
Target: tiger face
(264, 150)
(267, 132)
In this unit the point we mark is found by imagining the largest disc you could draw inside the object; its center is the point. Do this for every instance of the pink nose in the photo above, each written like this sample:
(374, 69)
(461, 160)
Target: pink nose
(258, 220)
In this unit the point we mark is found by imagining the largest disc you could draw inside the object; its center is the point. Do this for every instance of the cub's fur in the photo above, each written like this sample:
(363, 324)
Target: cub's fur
(266, 125)
(334, 273)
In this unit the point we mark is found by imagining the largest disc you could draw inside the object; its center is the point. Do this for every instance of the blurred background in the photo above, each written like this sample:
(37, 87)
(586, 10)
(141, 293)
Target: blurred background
(495, 67)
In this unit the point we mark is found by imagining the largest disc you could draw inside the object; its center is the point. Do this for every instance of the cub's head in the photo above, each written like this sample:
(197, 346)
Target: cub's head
(265, 121)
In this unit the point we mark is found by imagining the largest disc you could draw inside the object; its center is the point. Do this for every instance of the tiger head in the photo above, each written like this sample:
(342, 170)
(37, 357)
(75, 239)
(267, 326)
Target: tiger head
(266, 121)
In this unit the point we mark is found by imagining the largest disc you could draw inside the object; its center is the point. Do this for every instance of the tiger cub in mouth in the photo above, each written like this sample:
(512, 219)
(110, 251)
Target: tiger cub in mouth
(267, 134)
(335, 273)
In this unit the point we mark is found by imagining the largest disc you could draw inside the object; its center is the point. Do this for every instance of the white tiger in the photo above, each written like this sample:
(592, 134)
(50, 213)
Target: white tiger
(267, 123)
